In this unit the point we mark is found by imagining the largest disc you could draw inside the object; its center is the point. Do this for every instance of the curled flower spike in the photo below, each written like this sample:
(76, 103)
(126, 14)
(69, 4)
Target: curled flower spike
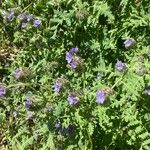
(2, 90)
(129, 43)
(120, 66)
(100, 97)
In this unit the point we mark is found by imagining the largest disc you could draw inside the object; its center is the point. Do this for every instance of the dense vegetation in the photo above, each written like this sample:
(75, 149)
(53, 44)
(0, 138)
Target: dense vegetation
(75, 74)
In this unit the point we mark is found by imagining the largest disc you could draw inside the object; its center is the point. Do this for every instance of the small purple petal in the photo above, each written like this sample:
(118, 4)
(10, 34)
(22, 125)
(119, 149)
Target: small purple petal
(57, 86)
(37, 22)
(74, 50)
(100, 97)
(68, 57)
(129, 43)
(72, 100)
(120, 66)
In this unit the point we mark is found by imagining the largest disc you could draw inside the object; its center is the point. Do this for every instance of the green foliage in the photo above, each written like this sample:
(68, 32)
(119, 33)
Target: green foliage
(98, 28)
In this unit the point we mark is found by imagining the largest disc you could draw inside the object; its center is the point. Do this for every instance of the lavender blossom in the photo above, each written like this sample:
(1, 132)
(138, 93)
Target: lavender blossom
(68, 57)
(2, 90)
(100, 97)
(72, 100)
(129, 43)
(147, 91)
(37, 22)
(120, 66)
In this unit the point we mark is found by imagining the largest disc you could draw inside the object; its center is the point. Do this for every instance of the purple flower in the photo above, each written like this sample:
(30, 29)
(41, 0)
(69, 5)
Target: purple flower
(18, 73)
(2, 90)
(100, 97)
(72, 100)
(129, 43)
(10, 16)
(28, 103)
(68, 57)
(15, 114)
(147, 91)
(57, 86)
(120, 66)
(73, 64)
(37, 22)
(74, 50)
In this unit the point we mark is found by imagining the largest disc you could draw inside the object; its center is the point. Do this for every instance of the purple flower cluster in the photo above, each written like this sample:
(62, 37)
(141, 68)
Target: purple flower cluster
(120, 66)
(71, 58)
(2, 90)
(24, 19)
(73, 99)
